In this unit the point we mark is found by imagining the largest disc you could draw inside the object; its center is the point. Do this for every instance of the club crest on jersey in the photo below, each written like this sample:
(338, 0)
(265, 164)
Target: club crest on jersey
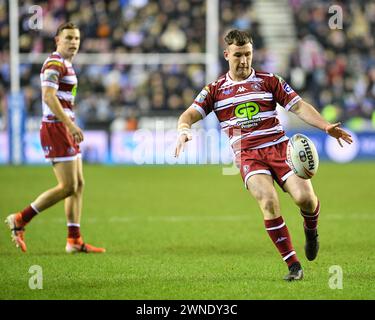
(256, 87)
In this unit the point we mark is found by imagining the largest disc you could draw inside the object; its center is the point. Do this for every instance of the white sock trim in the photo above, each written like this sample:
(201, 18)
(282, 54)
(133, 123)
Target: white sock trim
(277, 227)
(32, 205)
(289, 255)
(71, 224)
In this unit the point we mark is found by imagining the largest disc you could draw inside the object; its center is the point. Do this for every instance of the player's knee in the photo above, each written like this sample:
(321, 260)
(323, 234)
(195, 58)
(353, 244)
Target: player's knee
(81, 184)
(68, 189)
(306, 201)
(269, 206)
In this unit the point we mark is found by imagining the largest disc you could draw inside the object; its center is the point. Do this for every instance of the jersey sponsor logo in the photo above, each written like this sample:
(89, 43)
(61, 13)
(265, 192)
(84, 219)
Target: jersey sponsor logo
(71, 150)
(246, 110)
(287, 88)
(279, 78)
(51, 75)
(246, 168)
(74, 90)
(201, 96)
(227, 91)
(47, 150)
(241, 89)
(54, 63)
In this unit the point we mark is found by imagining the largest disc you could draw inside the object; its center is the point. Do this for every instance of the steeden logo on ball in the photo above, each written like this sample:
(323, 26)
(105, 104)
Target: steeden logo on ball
(302, 156)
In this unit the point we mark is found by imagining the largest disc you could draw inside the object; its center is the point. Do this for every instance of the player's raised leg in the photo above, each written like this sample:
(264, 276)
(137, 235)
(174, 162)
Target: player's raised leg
(303, 195)
(262, 188)
(73, 212)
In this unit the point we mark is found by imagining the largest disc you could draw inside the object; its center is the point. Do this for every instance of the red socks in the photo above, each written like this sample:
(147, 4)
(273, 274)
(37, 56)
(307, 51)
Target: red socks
(279, 235)
(28, 213)
(31, 211)
(311, 219)
(74, 230)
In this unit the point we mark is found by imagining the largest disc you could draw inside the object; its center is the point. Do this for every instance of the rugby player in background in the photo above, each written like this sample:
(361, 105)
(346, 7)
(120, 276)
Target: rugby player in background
(60, 138)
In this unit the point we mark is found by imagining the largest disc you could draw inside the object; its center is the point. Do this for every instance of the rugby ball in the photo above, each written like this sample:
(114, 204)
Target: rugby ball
(302, 156)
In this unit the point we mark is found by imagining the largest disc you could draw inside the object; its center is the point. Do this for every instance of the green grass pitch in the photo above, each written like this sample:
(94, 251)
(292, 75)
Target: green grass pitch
(187, 232)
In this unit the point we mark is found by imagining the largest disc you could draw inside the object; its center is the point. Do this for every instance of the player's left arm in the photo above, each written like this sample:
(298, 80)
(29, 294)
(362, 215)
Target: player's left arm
(310, 115)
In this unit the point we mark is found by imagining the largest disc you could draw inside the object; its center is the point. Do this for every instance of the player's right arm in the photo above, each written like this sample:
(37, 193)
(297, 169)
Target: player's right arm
(187, 118)
(50, 98)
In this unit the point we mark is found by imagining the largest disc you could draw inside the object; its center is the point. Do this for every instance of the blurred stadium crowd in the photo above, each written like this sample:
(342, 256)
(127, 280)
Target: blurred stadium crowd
(333, 69)
(337, 65)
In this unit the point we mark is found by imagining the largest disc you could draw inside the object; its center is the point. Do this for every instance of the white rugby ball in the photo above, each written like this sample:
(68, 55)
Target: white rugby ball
(302, 156)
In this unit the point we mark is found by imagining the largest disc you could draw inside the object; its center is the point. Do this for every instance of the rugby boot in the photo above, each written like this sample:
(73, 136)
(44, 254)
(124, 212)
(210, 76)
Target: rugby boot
(14, 222)
(311, 244)
(77, 246)
(295, 272)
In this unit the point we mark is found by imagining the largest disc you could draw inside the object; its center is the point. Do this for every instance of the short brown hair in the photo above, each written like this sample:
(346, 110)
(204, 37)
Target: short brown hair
(238, 37)
(66, 25)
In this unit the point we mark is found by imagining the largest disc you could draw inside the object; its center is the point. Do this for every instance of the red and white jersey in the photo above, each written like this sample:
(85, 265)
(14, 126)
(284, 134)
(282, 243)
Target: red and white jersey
(58, 73)
(246, 109)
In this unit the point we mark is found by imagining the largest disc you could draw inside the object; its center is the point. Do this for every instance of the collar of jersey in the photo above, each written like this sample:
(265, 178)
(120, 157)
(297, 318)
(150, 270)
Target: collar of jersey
(229, 79)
